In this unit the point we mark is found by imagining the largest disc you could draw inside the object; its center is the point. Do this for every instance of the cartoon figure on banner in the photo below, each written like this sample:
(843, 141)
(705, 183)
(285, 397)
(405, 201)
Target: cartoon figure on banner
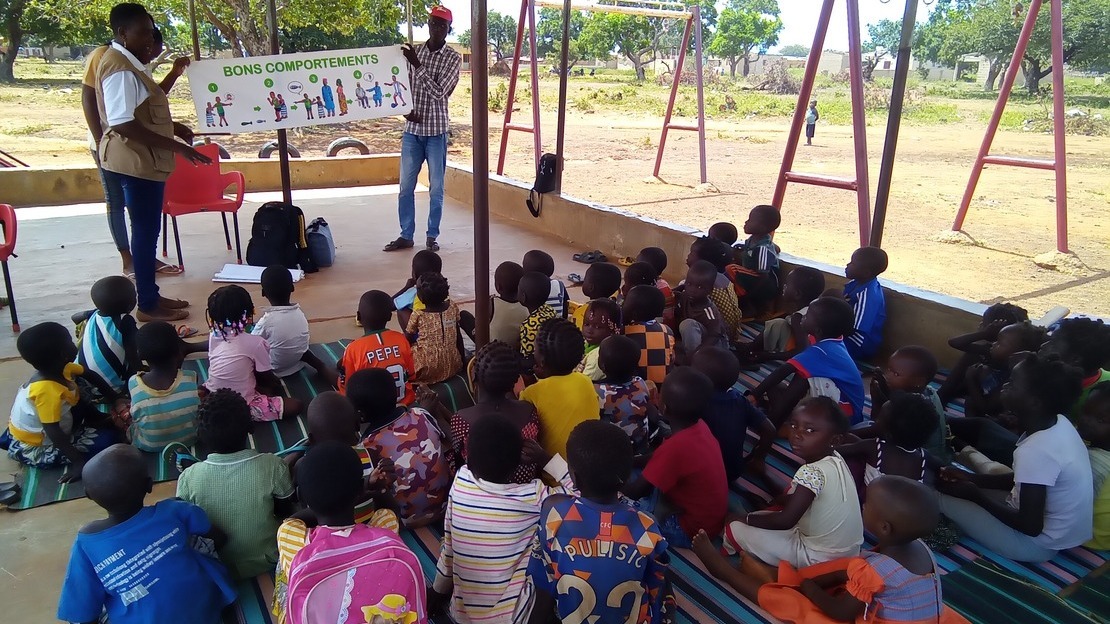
(219, 106)
(339, 93)
(320, 113)
(397, 96)
(210, 115)
(360, 95)
(276, 105)
(283, 109)
(307, 101)
(377, 91)
(329, 98)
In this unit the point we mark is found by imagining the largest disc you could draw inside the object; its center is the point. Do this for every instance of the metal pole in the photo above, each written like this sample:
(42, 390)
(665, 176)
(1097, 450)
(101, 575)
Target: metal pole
(696, 17)
(1060, 160)
(408, 17)
(893, 123)
(561, 128)
(537, 141)
(999, 107)
(859, 122)
(193, 24)
(282, 137)
(479, 87)
(809, 76)
(514, 74)
(667, 125)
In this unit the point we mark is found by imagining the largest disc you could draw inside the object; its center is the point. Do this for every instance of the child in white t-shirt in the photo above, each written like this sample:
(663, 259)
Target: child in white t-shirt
(285, 328)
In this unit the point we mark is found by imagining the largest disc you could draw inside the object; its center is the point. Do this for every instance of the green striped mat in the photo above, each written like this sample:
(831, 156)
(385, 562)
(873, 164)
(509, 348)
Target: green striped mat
(41, 487)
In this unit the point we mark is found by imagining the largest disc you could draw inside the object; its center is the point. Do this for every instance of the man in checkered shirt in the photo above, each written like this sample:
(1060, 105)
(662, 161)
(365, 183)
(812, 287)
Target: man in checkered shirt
(435, 72)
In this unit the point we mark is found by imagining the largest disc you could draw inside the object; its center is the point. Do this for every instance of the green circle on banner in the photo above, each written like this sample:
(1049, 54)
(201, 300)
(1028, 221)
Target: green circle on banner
(395, 69)
(358, 74)
(313, 78)
(213, 87)
(269, 82)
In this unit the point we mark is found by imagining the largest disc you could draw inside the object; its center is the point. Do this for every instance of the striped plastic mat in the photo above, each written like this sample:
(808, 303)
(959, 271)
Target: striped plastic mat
(41, 487)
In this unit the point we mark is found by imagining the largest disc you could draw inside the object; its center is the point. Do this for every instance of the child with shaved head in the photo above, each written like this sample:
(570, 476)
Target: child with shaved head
(137, 564)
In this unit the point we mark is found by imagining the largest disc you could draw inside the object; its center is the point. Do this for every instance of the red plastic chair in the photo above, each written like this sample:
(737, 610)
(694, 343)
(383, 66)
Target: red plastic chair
(202, 188)
(7, 250)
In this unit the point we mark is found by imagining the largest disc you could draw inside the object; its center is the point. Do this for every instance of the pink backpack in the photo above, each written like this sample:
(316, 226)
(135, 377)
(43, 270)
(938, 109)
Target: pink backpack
(362, 574)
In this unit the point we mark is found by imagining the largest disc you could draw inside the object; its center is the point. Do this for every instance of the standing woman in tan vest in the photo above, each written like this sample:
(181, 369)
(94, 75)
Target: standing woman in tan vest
(139, 145)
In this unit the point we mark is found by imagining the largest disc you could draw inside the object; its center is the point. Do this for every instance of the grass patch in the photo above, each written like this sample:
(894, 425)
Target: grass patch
(30, 129)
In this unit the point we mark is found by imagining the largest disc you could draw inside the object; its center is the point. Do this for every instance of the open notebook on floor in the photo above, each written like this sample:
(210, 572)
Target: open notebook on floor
(247, 274)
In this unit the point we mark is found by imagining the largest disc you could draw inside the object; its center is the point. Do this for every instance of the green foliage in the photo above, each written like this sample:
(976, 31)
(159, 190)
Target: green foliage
(312, 39)
(746, 26)
(883, 39)
(501, 30)
(549, 35)
(794, 49)
(639, 39)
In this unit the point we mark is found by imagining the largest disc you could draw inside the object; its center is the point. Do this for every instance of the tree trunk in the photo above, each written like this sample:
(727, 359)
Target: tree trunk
(995, 69)
(15, 39)
(1031, 68)
(869, 68)
(641, 75)
(747, 66)
(732, 63)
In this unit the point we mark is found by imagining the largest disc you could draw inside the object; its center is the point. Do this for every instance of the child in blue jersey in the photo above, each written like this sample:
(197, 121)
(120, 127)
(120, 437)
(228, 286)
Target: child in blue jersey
(138, 564)
(823, 369)
(865, 294)
(595, 557)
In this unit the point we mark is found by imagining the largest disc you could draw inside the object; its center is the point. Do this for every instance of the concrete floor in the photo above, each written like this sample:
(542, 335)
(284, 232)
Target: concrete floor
(63, 250)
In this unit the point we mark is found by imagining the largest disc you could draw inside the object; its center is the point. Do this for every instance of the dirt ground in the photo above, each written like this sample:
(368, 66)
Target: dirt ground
(610, 157)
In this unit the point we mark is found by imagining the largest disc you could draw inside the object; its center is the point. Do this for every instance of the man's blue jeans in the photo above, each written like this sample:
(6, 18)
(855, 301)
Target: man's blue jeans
(144, 204)
(415, 151)
(113, 197)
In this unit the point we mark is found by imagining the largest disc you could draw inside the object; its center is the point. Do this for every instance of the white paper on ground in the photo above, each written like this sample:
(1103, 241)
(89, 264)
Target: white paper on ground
(247, 274)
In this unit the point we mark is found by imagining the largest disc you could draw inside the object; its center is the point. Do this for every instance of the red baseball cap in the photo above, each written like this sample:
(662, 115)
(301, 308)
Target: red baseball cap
(441, 12)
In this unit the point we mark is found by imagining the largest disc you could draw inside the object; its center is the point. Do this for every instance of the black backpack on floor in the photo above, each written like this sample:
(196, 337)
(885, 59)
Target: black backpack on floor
(277, 237)
(546, 178)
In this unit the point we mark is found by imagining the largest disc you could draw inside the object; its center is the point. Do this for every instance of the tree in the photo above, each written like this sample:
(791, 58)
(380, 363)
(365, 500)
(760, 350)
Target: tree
(549, 35)
(746, 27)
(639, 39)
(312, 39)
(49, 23)
(794, 49)
(883, 39)
(501, 30)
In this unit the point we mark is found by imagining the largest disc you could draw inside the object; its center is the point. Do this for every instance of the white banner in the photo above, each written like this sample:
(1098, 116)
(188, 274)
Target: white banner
(261, 93)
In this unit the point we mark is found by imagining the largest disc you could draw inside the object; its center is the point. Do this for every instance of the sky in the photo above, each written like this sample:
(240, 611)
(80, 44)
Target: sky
(799, 18)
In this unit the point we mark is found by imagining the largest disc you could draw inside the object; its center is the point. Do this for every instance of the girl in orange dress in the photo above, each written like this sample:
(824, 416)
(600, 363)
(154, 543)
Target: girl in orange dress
(896, 583)
(434, 331)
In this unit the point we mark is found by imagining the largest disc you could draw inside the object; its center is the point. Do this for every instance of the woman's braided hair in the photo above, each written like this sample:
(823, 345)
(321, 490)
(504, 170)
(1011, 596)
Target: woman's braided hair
(230, 309)
(561, 345)
(496, 368)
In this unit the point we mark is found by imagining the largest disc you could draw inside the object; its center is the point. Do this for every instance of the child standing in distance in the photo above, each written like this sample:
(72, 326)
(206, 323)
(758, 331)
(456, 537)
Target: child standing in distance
(700, 324)
(865, 294)
(783, 338)
(904, 424)
(758, 276)
(285, 328)
(244, 492)
(542, 262)
(822, 369)
(330, 483)
(642, 307)
(685, 477)
(625, 399)
(563, 398)
(600, 462)
(730, 415)
(483, 577)
(637, 274)
(811, 121)
(1046, 505)
(897, 581)
(985, 380)
(496, 370)
(533, 291)
(137, 564)
(164, 400)
(602, 319)
(657, 258)
(602, 281)
(107, 342)
(910, 369)
(507, 314)
(50, 425)
(1083, 342)
(379, 347)
(1094, 426)
(411, 438)
(407, 300)
(820, 516)
(719, 255)
(975, 346)
(239, 360)
(437, 350)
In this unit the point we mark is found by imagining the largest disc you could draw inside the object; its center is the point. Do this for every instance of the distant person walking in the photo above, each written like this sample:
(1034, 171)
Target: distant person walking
(811, 121)
(435, 72)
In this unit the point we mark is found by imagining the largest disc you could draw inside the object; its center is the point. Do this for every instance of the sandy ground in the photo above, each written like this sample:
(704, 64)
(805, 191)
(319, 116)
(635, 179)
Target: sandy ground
(610, 158)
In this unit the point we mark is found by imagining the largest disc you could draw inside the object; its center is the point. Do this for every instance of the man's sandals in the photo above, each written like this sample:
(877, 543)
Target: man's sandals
(404, 243)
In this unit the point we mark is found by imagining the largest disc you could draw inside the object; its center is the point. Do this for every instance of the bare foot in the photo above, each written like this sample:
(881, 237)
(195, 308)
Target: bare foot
(710, 557)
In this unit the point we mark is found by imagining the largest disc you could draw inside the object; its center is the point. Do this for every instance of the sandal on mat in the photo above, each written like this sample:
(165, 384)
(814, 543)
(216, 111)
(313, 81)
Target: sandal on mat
(589, 257)
(184, 331)
(626, 261)
(575, 279)
(169, 269)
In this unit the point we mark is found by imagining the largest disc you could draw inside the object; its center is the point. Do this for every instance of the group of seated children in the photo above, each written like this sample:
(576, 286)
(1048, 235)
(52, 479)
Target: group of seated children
(612, 426)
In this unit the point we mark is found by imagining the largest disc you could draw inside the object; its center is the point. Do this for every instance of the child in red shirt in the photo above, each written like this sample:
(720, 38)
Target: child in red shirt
(684, 484)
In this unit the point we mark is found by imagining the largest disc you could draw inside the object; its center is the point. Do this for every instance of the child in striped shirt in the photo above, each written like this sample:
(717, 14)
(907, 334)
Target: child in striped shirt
(165, 399)
(490, 524)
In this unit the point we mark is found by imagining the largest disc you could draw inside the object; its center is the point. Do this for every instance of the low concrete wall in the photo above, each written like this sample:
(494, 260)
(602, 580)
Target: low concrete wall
(914, 316)
(55, 186)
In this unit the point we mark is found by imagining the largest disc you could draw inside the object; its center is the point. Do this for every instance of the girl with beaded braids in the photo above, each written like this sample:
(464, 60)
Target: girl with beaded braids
(239, 360)
(563, 397)
(494, 372)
